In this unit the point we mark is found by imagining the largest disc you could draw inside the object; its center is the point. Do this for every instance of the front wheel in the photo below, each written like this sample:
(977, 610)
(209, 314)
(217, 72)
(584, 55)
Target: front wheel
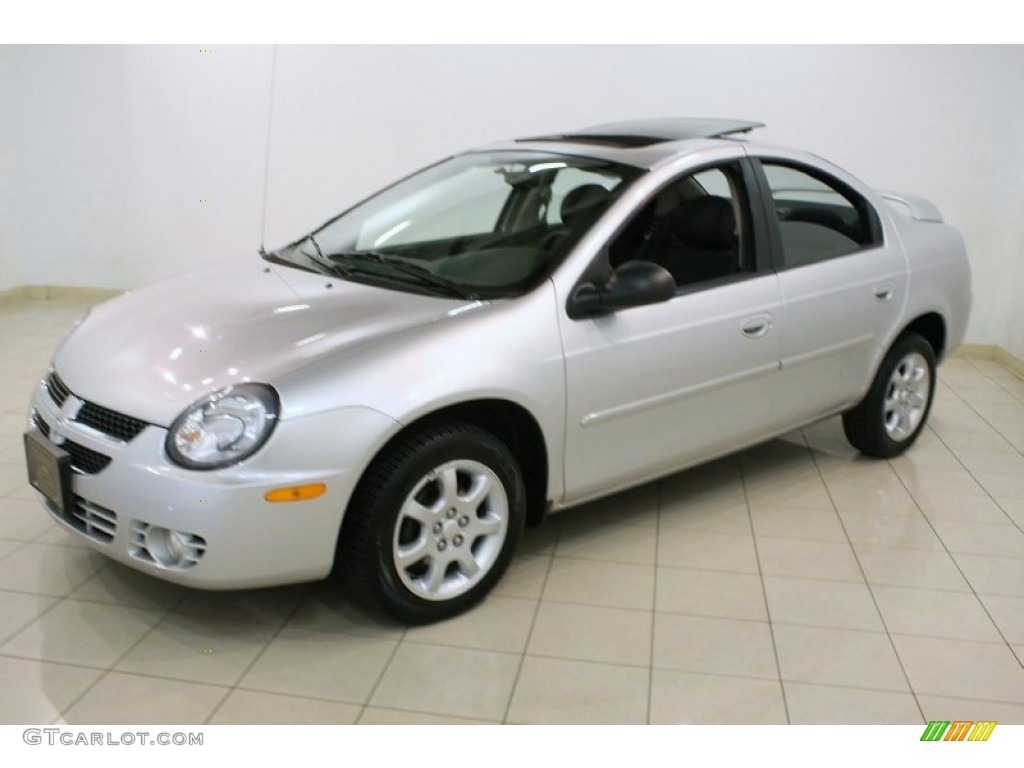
(893, 413)
(433, 523)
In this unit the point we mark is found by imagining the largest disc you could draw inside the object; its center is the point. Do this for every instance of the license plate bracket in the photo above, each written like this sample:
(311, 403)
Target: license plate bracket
(49, 471)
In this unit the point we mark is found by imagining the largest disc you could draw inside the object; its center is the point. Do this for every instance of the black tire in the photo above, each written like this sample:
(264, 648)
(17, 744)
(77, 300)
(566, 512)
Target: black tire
(415, 530)
(894, 412)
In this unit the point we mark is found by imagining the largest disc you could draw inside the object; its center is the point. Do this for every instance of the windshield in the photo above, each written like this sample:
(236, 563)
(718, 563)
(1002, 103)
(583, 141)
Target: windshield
(476, 225)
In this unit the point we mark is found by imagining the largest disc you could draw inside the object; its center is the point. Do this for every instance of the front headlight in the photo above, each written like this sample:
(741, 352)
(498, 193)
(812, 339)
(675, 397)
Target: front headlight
(224, 428)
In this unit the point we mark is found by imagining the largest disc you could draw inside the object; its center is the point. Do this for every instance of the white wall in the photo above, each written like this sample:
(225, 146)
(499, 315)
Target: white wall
(1007, 263)
(118, 145)
(10, 249)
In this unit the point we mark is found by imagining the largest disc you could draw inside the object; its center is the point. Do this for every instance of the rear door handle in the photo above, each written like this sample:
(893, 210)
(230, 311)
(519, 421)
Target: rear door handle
(883, 292)
(757, 326)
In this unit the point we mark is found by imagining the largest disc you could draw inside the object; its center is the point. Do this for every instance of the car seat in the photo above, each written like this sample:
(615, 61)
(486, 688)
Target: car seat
(581, 202)
(700, 242)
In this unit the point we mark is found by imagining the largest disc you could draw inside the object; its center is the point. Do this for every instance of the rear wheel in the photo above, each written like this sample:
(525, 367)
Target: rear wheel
(893, 413)
(433, 524)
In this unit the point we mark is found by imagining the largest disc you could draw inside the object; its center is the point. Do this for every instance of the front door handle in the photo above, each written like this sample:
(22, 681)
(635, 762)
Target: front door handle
(756, 327)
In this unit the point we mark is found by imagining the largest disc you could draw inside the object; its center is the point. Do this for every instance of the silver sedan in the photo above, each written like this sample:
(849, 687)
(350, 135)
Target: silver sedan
(510, 332)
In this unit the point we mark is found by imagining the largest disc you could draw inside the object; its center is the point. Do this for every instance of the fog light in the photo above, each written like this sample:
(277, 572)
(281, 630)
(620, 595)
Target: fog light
(167, 547)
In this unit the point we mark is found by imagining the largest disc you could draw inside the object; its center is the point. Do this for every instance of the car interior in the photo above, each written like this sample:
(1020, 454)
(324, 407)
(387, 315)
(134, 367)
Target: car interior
(696, 235)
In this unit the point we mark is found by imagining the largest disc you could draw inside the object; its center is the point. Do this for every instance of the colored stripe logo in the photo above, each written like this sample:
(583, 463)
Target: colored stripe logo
(958, 730)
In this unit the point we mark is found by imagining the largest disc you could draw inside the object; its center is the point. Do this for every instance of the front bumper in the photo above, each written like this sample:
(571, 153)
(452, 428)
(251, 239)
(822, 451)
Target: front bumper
(125, 489)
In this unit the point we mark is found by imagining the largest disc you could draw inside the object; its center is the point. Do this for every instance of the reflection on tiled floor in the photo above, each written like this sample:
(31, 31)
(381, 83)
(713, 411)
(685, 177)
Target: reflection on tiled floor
(795, 582)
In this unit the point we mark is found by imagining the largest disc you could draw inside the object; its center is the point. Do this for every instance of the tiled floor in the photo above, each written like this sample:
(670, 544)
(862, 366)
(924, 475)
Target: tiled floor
(796, 582)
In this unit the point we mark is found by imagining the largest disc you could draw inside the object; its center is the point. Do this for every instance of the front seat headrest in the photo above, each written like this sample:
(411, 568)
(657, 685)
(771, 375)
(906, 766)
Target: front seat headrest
(581, 201)
(706, 222)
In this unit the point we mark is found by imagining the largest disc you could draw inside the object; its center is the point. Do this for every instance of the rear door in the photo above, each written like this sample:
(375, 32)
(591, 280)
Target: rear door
(843, 286)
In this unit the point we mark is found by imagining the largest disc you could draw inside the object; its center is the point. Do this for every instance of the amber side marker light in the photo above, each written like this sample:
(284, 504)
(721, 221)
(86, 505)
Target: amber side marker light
(296, 493)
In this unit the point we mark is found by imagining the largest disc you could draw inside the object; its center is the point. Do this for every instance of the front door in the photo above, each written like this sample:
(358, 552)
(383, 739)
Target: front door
(653, 388)
(650, 389)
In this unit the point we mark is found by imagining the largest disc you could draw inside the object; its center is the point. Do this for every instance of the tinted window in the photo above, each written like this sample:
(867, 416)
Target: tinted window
(819, 218)
(697, 228)
(481, 223)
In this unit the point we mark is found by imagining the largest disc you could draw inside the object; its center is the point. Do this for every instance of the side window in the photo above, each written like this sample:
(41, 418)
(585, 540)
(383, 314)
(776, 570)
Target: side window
(819, 218)
(697, 227)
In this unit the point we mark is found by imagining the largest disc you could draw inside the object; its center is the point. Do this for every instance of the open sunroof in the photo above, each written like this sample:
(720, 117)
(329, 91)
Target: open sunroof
(643, 133)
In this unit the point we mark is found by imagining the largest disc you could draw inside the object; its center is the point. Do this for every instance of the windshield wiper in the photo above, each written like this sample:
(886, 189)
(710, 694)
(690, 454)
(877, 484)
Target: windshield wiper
(422, 274)
(330, 267)
(275, 258)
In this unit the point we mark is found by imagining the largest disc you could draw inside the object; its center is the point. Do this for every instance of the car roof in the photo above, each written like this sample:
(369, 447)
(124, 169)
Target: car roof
(640, 143)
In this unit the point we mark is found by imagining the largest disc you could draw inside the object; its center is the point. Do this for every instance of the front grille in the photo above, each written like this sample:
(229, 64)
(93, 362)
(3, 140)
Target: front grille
(58, 389)
(94, 521)
(89, 519)
(84, 460)
(111, 423)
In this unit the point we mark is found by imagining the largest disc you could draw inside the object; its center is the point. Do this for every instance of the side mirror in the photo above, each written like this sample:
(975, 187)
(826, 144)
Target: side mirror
(633, 284)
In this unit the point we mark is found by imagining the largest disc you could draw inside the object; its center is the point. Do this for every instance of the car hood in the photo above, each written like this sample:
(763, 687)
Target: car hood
(150, 353)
